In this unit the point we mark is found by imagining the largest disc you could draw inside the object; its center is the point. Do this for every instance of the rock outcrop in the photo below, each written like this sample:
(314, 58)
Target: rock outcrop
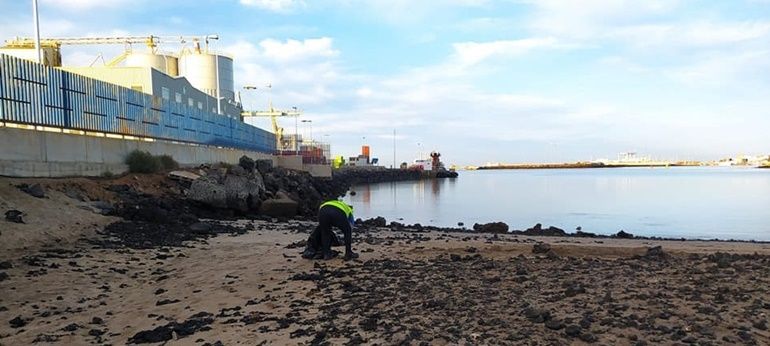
(492, 227)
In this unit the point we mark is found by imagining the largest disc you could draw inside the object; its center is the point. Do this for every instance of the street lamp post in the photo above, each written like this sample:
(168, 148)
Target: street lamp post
(296, 132)
(37, 32)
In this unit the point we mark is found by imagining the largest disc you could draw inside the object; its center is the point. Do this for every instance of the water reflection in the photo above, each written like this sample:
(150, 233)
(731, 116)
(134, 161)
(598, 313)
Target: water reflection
(690, 202)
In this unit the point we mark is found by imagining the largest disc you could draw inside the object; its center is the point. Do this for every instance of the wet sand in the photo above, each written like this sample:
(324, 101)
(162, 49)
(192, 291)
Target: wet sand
(416, 288)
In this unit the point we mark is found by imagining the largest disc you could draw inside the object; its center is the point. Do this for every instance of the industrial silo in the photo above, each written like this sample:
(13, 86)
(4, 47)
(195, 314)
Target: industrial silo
(164, 63)
(202, 70)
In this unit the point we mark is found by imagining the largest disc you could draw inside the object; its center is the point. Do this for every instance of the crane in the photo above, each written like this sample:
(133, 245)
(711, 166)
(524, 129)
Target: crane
(150, 41)
(274, 114)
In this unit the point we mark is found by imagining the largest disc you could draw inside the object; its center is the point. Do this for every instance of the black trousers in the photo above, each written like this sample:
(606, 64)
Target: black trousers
(328, 217)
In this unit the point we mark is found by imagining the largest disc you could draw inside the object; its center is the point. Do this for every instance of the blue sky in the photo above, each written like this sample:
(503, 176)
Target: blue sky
(479, 80)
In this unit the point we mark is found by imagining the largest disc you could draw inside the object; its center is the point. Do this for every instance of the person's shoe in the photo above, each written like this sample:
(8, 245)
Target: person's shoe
(350, 256)
(328, 256)
(308, 253)
(318, 256)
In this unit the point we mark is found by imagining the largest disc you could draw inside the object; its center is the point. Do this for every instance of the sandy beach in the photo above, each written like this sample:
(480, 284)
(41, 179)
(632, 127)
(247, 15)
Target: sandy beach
(131, 260)
(408, 287)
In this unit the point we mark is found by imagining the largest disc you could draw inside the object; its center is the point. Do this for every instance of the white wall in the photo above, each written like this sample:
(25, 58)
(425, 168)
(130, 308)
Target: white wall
(28, 153)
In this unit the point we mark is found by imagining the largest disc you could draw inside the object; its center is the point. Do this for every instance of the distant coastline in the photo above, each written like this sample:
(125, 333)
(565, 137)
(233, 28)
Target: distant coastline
(586, 165)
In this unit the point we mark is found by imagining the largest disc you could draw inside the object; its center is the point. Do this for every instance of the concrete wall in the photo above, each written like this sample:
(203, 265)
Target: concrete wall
(295, 162)
(28, 153)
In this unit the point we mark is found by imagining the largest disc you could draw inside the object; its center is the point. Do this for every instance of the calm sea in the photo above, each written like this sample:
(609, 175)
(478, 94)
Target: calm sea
(690, 202)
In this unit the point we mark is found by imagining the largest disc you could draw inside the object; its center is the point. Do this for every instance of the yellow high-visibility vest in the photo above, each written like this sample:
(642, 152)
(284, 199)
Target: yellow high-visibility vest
(348, 210)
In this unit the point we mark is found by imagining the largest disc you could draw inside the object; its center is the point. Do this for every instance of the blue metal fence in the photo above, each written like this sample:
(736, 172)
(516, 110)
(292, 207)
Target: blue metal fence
(35, 94)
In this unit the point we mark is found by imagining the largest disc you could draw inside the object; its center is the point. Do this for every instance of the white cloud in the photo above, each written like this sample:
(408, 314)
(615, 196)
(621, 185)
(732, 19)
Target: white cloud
(281, 6)
(293, 50)
(80, 5)
(724, 69)
(471, 53)
(302, 73)
(588, 18)
(364, 92)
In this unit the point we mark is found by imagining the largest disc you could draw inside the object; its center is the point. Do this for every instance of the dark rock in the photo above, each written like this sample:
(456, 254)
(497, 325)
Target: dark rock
(376, 222)
(103, 207)
(264, 166)
(17, 322)
(460, 224)
(585, 234)
(723, 260)
(536, 315)
(71, 327)
(307, 277)
(159, 334)
(14, 216)
(96, 332)
(538, 230)
(6, 265)
(572, 330)
(588, 337)
(280, 206)
(201, 227)
(541, 248)
(554, 324)
(166, 302)
(455, 257)
(34, 190)
(574, 289)
(3, 276)
(97, 320)
(655, 253)
(247, 163)
(197, 322)
(623, 235)
(492, 227)
(47, 338)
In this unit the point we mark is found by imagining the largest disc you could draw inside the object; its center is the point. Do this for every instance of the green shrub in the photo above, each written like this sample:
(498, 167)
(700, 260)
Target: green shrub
(142, 162)
(107, 174)
(167, 162)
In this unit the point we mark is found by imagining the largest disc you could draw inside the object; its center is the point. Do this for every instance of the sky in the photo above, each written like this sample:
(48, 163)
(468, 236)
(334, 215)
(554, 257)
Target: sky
(477, 80)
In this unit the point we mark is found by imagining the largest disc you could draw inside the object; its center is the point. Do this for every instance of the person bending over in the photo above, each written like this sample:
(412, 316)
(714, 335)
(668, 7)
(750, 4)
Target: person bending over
(332, 213)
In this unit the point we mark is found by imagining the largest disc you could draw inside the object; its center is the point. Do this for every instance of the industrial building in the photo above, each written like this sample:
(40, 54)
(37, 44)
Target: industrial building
(183, 97)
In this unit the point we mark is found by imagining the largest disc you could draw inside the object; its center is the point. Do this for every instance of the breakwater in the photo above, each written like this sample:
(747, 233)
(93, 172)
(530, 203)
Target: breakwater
(351, 176)
(586, 165)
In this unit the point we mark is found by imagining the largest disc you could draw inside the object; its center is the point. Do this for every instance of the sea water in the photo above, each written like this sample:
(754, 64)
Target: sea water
(680, 202)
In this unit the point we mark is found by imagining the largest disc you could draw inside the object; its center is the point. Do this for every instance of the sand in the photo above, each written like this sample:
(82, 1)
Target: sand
(430, 288)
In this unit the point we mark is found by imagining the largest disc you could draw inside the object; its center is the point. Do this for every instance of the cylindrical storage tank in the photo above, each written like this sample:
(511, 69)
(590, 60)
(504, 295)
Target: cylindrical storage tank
(202, 70)
(164, 63)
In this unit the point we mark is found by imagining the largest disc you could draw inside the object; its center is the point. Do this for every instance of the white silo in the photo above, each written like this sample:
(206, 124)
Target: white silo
(202, 69)
(164, 63)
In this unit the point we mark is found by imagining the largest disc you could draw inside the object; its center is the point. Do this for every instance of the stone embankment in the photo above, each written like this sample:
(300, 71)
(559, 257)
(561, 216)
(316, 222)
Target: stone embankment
(352, 176)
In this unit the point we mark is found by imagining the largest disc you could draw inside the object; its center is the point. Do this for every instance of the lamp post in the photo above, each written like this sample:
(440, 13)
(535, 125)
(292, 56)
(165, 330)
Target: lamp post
(37, 32)
(296, 133)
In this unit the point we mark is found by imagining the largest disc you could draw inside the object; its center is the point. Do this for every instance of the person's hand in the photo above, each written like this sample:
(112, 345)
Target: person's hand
(350, 256)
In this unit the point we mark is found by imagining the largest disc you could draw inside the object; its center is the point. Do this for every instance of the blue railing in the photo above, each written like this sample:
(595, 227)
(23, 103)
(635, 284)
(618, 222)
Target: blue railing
(35, 94)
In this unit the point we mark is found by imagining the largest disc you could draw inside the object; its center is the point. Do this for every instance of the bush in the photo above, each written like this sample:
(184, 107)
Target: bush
(108, 174)
(142, 162)
(167, 162)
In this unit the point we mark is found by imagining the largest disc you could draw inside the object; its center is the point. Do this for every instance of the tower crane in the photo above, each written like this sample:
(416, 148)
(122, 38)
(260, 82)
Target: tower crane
(273, 114)
(150, 41)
